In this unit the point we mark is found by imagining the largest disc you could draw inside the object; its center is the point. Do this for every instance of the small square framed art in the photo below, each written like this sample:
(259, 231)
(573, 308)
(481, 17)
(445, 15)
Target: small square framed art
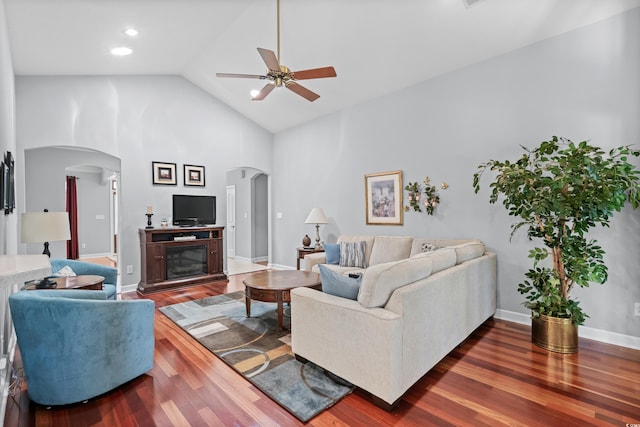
(164, 173)
(194, 175)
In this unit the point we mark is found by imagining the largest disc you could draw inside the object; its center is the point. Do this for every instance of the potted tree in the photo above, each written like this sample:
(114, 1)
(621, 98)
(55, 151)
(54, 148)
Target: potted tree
(559, 191)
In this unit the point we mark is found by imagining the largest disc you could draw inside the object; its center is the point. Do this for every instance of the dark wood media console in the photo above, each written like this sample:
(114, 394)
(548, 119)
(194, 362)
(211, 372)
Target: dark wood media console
(180, 256)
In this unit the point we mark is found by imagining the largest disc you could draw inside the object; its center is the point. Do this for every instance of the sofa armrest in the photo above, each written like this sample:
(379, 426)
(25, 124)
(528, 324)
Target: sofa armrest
(313, 259)
(349, 340)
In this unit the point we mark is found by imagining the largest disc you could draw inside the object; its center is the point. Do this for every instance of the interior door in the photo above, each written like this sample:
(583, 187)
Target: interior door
(231, 221)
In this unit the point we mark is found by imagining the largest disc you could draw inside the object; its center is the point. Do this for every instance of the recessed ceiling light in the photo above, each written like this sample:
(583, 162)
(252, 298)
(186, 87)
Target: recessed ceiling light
(121, 51)
(131, 32)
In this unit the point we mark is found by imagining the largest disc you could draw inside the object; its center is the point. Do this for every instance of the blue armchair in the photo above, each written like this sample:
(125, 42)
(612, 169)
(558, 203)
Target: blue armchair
(110, 274)
(76, 345)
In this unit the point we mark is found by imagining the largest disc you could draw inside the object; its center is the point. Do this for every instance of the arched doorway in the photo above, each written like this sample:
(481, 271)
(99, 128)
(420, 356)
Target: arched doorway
(248, 220)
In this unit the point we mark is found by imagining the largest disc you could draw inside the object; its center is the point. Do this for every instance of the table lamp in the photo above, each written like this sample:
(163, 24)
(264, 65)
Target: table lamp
(45, 227)
(317, 217)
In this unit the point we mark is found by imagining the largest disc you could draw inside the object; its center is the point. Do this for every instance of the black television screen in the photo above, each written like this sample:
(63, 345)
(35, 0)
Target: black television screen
(194, 210)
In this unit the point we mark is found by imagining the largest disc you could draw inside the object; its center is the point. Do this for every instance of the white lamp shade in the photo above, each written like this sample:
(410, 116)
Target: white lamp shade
(316, 216)
(39, 227)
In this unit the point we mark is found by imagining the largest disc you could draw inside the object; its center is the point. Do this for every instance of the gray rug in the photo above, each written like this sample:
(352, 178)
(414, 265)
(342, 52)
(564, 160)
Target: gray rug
(253, 348)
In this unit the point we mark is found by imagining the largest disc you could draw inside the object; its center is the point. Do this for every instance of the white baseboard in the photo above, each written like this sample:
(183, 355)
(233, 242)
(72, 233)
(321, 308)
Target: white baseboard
(583, 331)
(99, 255)
(260, 259)
(280, 267)
(129, 288)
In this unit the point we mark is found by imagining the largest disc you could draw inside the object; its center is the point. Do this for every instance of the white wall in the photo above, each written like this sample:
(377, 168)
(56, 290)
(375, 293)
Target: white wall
(45, 181)
(8, 223)
(581, 85)
(139, 120)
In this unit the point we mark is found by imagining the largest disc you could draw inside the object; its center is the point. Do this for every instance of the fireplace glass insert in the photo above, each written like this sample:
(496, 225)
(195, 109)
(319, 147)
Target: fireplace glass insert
(186, 261)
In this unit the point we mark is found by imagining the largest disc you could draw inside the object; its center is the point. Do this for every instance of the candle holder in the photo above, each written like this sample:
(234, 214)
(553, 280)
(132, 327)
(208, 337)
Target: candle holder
(149, 215)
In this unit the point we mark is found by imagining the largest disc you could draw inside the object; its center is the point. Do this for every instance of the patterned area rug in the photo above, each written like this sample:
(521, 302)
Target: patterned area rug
(254, 348)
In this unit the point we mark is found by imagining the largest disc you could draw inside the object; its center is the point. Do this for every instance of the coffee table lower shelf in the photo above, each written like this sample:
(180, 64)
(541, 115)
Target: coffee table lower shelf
(275, 286)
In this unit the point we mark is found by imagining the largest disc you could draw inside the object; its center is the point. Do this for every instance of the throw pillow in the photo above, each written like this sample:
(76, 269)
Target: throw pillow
(430, 247)
(332, 252)
(352, 254)
(65, 271)
(338, 284)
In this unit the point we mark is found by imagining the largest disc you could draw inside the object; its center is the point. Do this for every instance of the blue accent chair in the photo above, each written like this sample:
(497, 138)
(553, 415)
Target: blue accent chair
(76, 344)
(110, 274)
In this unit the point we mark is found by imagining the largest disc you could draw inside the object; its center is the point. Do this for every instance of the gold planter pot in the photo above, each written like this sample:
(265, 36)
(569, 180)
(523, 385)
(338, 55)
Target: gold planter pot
(554, 334)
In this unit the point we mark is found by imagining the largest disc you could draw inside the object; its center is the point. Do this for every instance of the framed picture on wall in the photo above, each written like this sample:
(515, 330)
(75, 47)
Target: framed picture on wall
(194, 175)
(164, 173)
(383, 197)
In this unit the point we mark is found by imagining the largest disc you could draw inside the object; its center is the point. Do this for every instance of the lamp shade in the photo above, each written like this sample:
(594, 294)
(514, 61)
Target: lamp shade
(39, 227)
(316, 216)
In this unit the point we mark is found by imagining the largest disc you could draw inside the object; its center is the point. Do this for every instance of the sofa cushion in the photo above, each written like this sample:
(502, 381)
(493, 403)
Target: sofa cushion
(441, 259)
(418, 243)
(368, 243)
(338, 284)
(380, 280)
(429, 247)
(389, 248)
(352, 254)
(338, 269)
(332, 252)
(469, 250)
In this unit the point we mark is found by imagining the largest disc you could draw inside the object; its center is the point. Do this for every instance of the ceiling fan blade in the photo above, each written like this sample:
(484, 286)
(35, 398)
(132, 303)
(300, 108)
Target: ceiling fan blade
(264, 92)
(315, 73)
(302, 91)
(242, 76)
(270, 59)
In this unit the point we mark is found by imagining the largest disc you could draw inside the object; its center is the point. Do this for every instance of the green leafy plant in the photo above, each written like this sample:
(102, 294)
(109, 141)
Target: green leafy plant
(414, 195)
(559, 191)
(431, 200)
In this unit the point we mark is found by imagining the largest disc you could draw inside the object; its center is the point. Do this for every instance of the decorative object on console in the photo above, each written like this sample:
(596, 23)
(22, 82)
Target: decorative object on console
(45, 227)
(317, 217)
(194, 175)
(164, 173)
(306, 241)
(559, 191)
(383, 198)
(149, 214)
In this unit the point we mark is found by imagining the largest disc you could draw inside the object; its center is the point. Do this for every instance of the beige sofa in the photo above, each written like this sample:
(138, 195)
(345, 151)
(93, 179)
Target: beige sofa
(412, 309)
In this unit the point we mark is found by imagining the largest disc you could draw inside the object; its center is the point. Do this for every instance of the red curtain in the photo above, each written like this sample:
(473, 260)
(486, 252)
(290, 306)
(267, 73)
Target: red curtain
(72, 207)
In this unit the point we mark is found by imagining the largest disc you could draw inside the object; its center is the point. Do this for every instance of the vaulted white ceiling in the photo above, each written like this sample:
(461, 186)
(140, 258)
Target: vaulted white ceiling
(376, 46)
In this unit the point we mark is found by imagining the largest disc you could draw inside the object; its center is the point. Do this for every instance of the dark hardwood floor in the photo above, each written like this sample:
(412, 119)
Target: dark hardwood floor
(496, 377)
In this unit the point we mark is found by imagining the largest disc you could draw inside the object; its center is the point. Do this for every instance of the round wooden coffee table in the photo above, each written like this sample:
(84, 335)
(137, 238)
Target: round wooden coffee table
(87, 282)
(275, 286)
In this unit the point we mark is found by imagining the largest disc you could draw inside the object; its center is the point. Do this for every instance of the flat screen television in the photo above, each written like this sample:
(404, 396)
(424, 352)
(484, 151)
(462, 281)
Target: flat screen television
(190, 211)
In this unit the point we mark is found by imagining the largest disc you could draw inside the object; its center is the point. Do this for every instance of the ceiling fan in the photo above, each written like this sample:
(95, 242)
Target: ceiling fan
(279, 75)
